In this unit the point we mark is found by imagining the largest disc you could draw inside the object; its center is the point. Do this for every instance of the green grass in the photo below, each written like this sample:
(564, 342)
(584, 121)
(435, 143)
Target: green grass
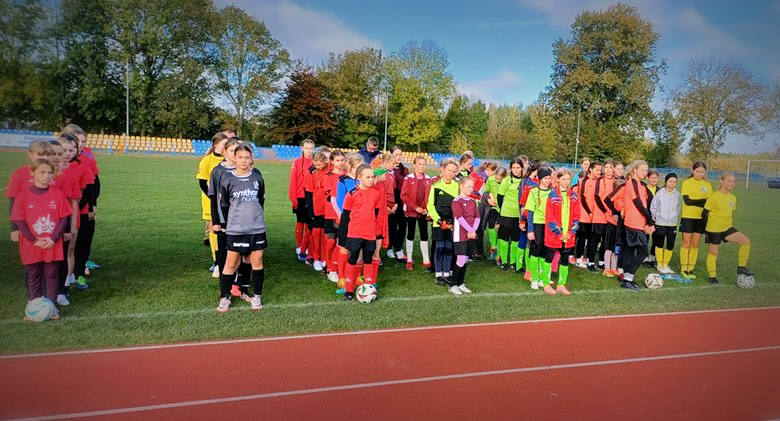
(155, 287)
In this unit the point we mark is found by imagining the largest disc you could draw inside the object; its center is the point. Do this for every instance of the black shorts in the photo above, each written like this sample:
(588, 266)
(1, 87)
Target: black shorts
(718, 237)
(318, 221)
(441, 235)
(509, 228)
(610, 237)
(492, 218)
(248, 243)
(464, 248)
(538, 249)
(330, 227)
(635, 238)
(692, 225)
(585, 228)
(301, 213)
(356, 245)
(598, 228)
(665, 231)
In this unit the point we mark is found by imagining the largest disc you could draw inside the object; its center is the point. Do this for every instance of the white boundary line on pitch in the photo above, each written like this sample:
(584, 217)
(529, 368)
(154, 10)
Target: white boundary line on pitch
(326, 389)
(376, 331)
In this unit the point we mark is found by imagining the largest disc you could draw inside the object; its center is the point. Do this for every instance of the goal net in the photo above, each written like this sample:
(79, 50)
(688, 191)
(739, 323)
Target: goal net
(762, 174)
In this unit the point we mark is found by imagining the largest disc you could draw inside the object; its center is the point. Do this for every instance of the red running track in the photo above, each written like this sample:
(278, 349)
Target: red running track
(715, 365)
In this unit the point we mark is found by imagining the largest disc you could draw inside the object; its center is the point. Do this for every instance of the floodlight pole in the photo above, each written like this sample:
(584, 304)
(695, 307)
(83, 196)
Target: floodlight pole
(577, 144)
(127, 98)
(387, 100)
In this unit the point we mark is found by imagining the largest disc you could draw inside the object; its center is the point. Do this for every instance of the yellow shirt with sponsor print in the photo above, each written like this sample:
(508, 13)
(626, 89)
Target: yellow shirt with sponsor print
(695, 190)
(206, 165)
(721, 207)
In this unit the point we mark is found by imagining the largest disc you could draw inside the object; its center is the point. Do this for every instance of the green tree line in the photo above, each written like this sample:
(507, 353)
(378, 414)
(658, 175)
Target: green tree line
(188, 68)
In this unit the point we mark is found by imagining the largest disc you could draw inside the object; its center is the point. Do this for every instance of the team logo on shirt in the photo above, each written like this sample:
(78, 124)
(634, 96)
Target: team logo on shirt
(257, 185)
(246, 195)
(44, 225)
(52, 205)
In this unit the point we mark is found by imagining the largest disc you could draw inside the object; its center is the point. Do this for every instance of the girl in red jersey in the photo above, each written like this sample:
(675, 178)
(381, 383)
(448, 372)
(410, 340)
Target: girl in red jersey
(69, 186)
(330, 252)
(86, 225)
(414, 195)
(20, 179)
(383, 166)
(346, 183)
(315, 198)
(361, 206)
(297, 197)
(41, 214)
(561, 225)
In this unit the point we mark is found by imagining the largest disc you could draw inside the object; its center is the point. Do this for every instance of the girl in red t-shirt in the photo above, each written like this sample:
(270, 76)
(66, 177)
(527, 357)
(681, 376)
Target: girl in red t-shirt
(337, 168)
(41, 213)
(362, 204)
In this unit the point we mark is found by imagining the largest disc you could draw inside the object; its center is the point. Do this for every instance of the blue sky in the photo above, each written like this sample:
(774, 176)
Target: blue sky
(501, 50)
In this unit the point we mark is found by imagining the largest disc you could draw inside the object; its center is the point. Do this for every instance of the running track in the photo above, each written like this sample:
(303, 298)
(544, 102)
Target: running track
(713, 365)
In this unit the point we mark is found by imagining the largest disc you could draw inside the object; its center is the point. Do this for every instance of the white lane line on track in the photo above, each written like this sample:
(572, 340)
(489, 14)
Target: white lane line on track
(298, 392)
(377, 331)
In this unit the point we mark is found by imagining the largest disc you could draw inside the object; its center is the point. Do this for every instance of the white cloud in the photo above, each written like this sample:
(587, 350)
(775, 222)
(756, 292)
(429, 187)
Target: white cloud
(305, 32)
(701, 37)
(491, 90)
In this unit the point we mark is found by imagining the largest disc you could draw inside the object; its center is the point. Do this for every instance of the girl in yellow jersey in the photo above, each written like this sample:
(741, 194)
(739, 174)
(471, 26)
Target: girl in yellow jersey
(718, 213)
(695, 191)
(207, 164)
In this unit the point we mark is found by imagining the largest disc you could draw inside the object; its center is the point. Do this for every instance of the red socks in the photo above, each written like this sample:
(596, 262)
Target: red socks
(327, 254)
(315, 243)
(353, 271)
(370, 272)
(341, 263)
(300, 227)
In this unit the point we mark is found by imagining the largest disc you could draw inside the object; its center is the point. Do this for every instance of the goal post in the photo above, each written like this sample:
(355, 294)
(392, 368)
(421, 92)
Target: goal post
(761, 170)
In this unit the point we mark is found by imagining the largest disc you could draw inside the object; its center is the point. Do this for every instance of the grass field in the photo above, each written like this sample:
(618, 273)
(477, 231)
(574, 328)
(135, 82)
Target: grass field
(155, 287)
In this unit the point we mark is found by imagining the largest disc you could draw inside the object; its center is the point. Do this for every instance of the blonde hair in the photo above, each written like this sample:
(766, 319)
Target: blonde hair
(40, 161)
(354, 160)
(634, 165)
(420, 157)
(74, 129)
(561, 172)
(40, 147)
(449, 161)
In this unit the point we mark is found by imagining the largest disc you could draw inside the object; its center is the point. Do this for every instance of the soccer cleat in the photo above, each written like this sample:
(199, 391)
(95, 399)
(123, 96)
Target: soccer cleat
(713, 281)
(224, 305)
(581, 263)
(301, 257)
(81, 283)
(246, 297)
(215, 272)
(297, 250)
(348, 296)
(688, 275)
(464, 288)
(93, 266)
(741, 270)
(333, 276)
(572, 260)
(340, 291)
(492, 255)
(391, 253)
(235, 291)
(70, 280)
(535, 284)
(62, 300)
(629, 285)
(317, 266)
(409, 265)
(256, 304)
(440, 281)
(563, 290)
(592, 268)
(400, 256)
(549, 290)
(455, 290)
(608, 273)
(211, 268)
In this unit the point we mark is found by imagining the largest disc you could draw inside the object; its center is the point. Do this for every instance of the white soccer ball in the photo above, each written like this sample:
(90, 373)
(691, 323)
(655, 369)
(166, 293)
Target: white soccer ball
(654, 281)
(366, 293)
(40, 309)
(746, 281)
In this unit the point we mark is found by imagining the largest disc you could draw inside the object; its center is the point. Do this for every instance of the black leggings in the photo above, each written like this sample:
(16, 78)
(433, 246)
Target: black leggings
(83, 244)
(410, 226)
(664, 235)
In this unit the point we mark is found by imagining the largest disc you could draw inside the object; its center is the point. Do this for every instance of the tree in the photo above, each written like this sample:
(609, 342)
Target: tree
(770, 111)
(304, 110)
(716, 97)
(464, 126)
(158, 39)
(21, 96)
(505, 132)
(246, 62)
(668, 138)
(353, 80)
(419, 87)
(608, 72)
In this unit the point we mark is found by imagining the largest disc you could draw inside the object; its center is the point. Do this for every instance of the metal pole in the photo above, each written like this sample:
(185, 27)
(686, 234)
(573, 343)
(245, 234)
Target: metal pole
(747, 178)
(127, 99)
(387, 100)
(577, 145)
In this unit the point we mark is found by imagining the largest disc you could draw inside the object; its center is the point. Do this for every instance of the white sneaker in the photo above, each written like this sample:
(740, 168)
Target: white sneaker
(455, 290)
(324, 264)
(317, 266)
(333, 276)
(391, 253)
(256, 304)
(400, 255)
(297, 251)
(62, 300)
(246, 297)
(534, 284)
(224, 305)
(464, 288)
(215, 273)
(70, 280)
(581, 263)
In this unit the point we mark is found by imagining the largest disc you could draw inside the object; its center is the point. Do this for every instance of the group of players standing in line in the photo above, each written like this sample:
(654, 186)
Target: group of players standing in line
(538, 220)
(52, 203)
